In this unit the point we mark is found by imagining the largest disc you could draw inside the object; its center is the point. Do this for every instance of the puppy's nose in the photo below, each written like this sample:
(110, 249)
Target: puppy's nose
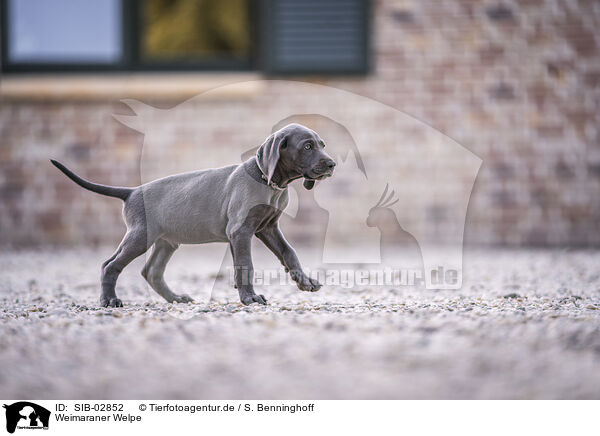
(330, 164)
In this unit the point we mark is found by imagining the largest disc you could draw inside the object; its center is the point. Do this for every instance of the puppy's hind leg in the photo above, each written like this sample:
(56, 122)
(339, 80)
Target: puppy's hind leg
(133, 245)
(154, 271)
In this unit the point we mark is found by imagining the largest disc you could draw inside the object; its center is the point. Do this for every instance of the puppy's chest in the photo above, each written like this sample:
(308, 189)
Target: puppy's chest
(279, 200)
(272, 209)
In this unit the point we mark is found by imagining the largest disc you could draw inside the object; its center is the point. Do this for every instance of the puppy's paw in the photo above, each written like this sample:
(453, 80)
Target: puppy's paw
(112, 302)
(308, 284)
(183, 298)
(253, 298)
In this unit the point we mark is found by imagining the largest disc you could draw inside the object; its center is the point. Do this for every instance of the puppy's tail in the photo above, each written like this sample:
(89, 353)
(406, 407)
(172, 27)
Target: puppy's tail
(111, 191)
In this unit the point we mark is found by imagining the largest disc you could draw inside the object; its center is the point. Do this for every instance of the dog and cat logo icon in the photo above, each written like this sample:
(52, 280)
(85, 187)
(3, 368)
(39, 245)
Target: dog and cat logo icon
(26, 415)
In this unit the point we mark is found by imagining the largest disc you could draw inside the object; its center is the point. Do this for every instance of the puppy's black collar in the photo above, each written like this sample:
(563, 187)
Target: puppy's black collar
(272, 184)
(254, 169)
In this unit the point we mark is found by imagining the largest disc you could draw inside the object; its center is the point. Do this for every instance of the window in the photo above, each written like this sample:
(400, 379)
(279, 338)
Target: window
(75, 31)
(197, 34)
(278, 36)
(325, 36)
(195, 29)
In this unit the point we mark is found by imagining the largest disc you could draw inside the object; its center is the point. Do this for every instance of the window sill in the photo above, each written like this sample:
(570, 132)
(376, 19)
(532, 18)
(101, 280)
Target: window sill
(153, 86)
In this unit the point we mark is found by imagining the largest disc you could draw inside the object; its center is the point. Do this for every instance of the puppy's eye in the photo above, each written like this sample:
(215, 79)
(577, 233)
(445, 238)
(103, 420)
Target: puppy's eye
(308, 146)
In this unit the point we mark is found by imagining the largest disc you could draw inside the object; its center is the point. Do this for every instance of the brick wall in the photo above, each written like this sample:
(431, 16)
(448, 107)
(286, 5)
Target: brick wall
(514, 82)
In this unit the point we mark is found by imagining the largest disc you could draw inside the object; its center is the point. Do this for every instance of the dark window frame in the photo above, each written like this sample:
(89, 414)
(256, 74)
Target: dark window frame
(260, 59)
(131, 61)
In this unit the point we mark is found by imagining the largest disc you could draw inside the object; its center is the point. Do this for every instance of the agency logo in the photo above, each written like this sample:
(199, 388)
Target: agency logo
(394, 211)
(26, 415)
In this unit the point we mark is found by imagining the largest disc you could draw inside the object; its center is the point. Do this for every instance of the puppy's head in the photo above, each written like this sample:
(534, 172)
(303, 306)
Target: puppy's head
(296, 151)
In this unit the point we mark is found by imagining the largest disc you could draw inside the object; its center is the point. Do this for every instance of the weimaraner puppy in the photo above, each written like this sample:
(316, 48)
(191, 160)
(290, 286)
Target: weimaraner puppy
(228, 204)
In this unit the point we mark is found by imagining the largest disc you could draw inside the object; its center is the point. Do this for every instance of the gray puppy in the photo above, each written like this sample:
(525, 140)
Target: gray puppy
(228, 204)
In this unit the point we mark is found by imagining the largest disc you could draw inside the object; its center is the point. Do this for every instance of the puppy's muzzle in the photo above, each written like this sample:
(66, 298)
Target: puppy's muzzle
(322, 170)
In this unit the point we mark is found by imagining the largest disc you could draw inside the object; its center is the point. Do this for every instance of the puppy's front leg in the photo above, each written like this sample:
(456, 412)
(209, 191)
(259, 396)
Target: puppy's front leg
(243, 269)
(276, 242)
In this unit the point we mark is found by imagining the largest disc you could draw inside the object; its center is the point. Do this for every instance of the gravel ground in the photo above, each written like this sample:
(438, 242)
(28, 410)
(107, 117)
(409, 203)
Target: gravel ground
(526, 324)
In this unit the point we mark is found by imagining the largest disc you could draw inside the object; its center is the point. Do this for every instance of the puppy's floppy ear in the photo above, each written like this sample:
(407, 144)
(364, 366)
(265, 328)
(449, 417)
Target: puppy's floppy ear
(267, 155)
